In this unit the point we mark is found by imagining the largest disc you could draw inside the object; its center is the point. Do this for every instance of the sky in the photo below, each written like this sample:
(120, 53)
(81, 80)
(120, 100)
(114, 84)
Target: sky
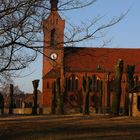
(125, 34)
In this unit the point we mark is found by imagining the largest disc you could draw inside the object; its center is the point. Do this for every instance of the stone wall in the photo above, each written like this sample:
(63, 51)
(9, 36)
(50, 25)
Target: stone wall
(27, 111)
(133, 110)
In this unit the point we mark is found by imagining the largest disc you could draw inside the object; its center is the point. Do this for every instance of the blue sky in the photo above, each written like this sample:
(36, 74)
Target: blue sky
(124, 34)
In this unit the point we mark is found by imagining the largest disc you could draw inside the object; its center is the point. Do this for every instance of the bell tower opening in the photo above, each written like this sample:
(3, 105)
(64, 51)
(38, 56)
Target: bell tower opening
(53, 40)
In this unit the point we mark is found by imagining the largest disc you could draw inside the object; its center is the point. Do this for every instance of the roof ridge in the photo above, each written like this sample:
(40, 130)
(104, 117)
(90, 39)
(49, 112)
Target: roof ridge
(103, 48)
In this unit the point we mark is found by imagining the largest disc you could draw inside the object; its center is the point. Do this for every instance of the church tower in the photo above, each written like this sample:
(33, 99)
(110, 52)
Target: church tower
(53, 28)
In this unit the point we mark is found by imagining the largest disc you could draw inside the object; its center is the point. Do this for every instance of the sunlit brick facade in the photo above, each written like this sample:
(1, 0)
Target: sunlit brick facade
(76, 62)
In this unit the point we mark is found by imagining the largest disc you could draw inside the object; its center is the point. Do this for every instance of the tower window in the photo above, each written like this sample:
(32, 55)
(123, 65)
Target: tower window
(48, 85)
(53, 41)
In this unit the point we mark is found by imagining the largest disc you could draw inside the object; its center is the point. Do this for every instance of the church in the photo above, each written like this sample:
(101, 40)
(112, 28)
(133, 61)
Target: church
(76, 62)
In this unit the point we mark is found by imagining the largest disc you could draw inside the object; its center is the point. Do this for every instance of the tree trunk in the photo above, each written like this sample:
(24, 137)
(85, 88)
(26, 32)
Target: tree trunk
(100, 110)
(11, 102)
(129, 85)
(86, 90)
(1, 104)
(65, 89)
(54, 101)
(117, 90)
(59, 97)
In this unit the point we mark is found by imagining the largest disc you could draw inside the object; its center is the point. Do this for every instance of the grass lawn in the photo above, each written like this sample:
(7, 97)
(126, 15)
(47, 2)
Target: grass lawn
(69, 127)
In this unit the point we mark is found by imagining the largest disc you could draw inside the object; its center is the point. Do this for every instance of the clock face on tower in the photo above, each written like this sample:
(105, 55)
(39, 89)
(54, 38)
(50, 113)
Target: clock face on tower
(53, 56)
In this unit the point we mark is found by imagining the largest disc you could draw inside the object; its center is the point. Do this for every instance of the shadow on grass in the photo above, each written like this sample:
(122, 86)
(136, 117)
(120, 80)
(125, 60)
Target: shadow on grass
(70, 128)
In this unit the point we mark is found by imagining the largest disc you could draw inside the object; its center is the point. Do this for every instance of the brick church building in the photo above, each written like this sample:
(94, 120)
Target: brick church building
(76, 62)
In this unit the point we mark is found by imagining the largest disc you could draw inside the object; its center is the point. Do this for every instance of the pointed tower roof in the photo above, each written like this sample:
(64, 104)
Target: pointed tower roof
(53, 5)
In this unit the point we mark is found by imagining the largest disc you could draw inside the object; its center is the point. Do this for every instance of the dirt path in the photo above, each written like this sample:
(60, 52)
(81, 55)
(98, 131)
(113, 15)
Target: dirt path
(69, 127)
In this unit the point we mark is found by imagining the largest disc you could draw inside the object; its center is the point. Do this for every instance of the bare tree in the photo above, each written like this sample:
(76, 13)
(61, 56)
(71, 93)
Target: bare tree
(17, 28)
(90, 31)
(21, 30)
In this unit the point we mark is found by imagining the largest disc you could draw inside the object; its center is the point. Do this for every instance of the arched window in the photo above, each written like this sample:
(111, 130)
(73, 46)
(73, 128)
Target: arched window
(53, 41)
(95, 83)
(76, 83)
(72, 83)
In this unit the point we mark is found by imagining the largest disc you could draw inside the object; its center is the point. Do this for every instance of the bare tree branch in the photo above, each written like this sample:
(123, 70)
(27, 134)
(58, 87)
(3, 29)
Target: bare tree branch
(21, 30)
